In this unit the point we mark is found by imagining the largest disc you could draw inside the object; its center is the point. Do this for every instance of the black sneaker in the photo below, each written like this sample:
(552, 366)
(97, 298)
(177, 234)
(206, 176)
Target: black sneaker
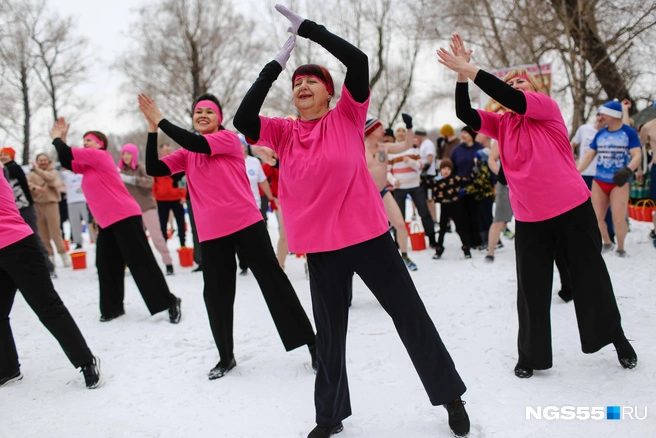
(175, 313)
(458, 418)
(199, 268)
(78, 246)
(523, 372)
(169, 269)
(221, 370)
(13, 378)
(438, 252)
(92, 374)
(313, 355)
(626, 354)
(108, 318)
(489, 259)
(565, 295)
(322, 432)
(467, 252)
(243, 272)
(499, 245)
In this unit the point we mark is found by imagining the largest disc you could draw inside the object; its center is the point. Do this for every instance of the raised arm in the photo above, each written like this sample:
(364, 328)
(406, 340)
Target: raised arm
(397, 148)
(58, 135)
(154, 166)
(247, 117)
(355, 60)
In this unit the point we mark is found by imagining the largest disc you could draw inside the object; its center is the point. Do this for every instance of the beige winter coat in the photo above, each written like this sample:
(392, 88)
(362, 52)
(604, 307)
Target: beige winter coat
(45, 185)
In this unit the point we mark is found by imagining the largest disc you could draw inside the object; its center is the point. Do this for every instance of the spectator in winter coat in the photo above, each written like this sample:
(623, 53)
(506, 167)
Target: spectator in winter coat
(23, 198)
(140, 186)
(169, 198)
(46, 187)
(483, 193)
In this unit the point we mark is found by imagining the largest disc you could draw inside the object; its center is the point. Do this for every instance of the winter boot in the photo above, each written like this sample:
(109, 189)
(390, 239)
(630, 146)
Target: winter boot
(458, 418)
(321, 432)
(467, 251)
(523, 372)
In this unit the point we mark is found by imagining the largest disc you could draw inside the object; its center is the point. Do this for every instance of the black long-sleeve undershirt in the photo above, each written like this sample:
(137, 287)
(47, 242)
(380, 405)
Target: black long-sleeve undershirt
(495, 88)
(64, 152)
(155, 166)
(247, 119)
(186, 139)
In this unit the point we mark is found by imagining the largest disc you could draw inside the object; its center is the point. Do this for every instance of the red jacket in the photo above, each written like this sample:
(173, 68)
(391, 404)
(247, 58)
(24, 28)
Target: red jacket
(163, 190)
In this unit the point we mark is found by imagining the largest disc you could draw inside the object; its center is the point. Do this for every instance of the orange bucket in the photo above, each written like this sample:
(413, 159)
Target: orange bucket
(417, 238)
(644, 210)
(79, 259)
(186, 256)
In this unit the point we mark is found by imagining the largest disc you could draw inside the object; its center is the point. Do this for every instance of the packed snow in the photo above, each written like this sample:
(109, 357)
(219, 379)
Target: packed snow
(155, 373)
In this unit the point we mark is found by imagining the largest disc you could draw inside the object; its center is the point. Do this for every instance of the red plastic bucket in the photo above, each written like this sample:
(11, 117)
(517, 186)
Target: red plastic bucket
(417, 239)
(67, 246)
(79, 259)
(186, 256)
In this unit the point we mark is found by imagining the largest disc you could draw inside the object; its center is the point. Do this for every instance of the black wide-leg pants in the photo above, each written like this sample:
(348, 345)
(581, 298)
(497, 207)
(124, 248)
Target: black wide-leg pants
(598, 317)
(124, 243)
(23, 267)
(219, 274)
(378, 263)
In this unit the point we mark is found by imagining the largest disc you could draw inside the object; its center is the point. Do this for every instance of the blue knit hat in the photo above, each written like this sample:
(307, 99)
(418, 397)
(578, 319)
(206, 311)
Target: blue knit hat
(612, 108)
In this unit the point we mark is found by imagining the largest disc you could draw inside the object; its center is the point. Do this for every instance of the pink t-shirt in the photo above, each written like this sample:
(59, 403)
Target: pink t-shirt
(218, 186)
(537, 159)
(107, 197)
(12, 226)
(327, 194)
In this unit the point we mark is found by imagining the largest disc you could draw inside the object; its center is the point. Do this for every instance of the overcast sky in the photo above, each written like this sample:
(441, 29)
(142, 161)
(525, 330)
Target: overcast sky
(107, 27)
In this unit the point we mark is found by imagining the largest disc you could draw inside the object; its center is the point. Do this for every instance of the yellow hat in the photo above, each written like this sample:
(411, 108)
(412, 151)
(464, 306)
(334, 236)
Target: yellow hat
(447, 130)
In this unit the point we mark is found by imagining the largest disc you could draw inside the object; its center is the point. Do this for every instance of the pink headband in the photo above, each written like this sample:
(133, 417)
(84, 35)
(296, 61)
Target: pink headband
(211, 105)
(523, 76)
(325, 84)
(96, 139)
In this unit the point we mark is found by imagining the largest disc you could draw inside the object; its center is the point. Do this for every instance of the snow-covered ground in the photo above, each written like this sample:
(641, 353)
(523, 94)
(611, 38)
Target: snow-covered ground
(155, 382)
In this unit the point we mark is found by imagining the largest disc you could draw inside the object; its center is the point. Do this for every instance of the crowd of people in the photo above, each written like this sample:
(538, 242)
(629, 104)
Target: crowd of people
(371, 181)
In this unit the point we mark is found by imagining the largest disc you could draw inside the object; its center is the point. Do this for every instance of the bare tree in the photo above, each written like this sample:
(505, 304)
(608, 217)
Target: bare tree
(18, 60)
(184, 48)
(60, 55)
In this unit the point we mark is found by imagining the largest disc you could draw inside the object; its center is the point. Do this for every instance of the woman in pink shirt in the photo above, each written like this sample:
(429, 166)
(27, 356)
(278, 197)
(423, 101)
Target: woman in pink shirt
(552, 207)
(23, 267)
(334, 214)
(121, 237)
(227, 219)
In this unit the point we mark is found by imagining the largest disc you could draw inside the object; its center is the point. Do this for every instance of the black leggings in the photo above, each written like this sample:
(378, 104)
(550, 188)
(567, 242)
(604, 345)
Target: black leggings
(23, 267)
(219, 274)
(576, 234)
(378, 263)
(125, 243)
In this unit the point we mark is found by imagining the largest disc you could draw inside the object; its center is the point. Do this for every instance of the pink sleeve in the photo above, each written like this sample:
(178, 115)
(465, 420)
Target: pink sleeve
(272, 130)
(354, 111)
(77, 167)
(177, 161)
(489, 124)
(541, 107)
(224, 143)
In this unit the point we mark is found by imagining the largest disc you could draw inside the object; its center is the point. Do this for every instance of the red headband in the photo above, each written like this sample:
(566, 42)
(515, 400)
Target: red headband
(211, 105)
(96, 139)
(325, 84)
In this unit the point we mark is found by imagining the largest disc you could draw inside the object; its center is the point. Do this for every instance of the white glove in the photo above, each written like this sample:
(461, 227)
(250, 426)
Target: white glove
(128, 179)
(283, 56)
(293, 17)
